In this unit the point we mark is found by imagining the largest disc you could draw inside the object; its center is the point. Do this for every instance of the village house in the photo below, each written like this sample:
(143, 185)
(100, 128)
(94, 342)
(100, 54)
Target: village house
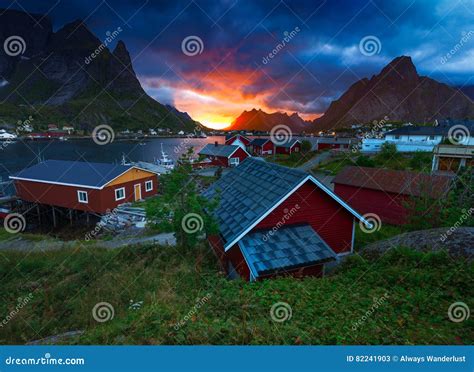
(237, 140)
(344, 143)
(275, 221)
(84, 186)
(452, 158)
(289, 147)
(262, 146)
(223, 155)
(387, 193)
(419, 138)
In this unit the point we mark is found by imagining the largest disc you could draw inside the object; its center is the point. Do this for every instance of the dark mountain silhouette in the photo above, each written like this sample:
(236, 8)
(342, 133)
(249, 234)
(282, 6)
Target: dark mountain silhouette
(71, 76)
(398, 93)
(259, 120)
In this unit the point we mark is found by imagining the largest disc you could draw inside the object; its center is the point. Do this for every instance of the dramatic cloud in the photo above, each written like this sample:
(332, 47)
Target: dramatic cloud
(275, 55)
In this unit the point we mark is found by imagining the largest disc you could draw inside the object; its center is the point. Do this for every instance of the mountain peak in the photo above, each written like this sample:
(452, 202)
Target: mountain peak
(401, 67)
(259, 120)
(398, 93)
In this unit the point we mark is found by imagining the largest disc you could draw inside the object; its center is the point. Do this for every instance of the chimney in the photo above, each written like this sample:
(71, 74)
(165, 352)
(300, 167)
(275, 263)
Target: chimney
(216, 144)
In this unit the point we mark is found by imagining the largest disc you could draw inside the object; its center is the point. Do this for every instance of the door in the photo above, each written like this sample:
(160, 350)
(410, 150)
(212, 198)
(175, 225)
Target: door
(138, 191)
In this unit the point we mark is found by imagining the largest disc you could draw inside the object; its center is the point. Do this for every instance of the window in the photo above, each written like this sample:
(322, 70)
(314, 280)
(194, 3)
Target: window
(120, 193)
(432, 137)
(82, 197)
(397, 137)
(234, 161)
(148, 185)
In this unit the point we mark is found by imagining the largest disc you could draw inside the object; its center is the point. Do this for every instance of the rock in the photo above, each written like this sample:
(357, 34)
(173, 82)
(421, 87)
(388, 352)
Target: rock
(398, 93)
(457, 242)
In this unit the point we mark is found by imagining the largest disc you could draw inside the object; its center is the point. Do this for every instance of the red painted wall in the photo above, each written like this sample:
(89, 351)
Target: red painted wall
(388, 206)
(222, 161)
(99, 201)
(286, 150)
(258, 150)
(326, 216)
(322, 146)
(244, 140)
(234, 256)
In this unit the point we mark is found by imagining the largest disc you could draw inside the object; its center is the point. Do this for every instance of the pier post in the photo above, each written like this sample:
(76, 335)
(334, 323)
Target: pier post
(54, 217)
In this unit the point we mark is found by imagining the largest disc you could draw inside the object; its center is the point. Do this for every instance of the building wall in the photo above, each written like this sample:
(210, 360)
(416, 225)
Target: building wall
(309, 204)
(390, 207)
(234, 256)
(287, 150)
(222, 161)
(99, 201)
(241, 154)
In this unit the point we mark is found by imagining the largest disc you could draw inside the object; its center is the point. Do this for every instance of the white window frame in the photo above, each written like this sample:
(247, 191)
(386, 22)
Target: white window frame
(82, 192)
(150, 182)
(117, 190)
(234, 161)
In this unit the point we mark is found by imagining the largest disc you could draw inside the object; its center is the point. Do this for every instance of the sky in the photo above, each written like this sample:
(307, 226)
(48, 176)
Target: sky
(215, 59)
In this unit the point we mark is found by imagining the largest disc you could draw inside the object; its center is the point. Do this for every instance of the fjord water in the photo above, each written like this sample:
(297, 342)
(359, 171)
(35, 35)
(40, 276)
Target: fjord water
(21, 154)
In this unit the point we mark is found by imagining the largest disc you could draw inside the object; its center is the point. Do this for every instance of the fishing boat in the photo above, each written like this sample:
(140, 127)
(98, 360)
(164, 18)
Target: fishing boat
(165, 161)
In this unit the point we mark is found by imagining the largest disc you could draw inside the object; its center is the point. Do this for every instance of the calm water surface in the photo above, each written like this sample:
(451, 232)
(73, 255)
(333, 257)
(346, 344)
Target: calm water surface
(21, 154)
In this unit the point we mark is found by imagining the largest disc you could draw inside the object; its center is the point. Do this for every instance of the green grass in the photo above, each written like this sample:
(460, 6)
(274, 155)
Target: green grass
(4, 236)
(385, 232)
(66, 285)
(294, 160)
(410, 161)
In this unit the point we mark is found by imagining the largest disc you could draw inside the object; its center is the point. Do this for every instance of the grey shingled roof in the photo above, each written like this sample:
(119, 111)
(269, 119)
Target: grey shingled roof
(248, 191)
(218, 150)
(288, 144)
(268, 251)
(259, 141)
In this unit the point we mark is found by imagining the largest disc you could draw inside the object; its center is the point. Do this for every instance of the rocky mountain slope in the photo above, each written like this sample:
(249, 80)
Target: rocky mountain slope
(70, 76)
(259, 120)
(399, 93)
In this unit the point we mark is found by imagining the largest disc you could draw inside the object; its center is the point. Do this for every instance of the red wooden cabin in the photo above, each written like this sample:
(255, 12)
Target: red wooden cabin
(237, 140)
(276, 221)
(84, 186)
(223, 155)
(262, 146)
(387, 193)
(289, 147)
(324, 143)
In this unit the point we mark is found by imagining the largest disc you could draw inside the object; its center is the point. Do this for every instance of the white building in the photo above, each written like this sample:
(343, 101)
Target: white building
(414, 138)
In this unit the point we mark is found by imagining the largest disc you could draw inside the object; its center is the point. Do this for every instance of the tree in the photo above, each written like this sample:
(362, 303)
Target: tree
(181, 208)
(306, 146)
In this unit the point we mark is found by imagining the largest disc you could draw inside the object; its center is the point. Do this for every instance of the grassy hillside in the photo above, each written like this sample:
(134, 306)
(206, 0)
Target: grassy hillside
(65, 286)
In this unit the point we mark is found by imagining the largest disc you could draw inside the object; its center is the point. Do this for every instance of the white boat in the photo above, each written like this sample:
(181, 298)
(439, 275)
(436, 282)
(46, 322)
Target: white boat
(4, 135)
(165, 161)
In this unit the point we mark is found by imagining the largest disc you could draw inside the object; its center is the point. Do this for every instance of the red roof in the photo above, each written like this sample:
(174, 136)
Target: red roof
(395, 181)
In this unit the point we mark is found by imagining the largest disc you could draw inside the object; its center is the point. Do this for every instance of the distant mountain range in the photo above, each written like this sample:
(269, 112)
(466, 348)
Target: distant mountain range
(72, 77)
(398, 93)
(259, 120)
